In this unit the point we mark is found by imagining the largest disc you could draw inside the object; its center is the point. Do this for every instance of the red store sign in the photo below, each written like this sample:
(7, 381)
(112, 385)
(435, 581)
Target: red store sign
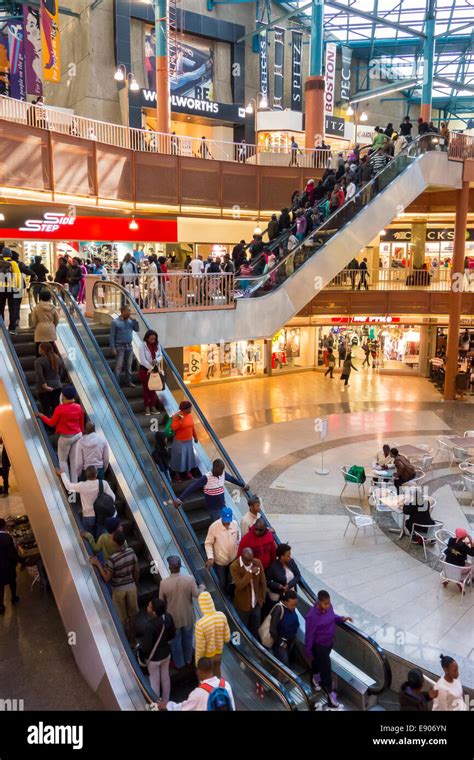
(58, 226)
(365, 320)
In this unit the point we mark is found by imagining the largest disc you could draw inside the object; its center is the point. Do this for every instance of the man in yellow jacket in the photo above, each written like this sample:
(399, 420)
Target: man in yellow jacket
(10, 286)
(211, 632)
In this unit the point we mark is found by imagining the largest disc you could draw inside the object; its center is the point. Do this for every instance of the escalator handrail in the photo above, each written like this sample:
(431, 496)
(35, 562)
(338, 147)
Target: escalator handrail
(146, 689)
(276, 664)
(369, 641)
(304, 586)
(405, 152)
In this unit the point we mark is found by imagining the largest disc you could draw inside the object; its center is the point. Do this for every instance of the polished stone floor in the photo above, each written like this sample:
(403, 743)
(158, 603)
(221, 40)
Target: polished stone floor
(36, 663)
(271, 428)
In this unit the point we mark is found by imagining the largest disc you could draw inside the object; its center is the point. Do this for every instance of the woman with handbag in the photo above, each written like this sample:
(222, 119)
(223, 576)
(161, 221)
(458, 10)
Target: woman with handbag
(151, 373)
(155, 648)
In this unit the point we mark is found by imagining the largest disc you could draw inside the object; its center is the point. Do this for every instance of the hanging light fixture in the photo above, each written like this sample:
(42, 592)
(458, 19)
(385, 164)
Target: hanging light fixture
(119, 75)
(264, 102)
(134, 86)
(133, 224)
(249, 108)
(350, 111)
(363, 116)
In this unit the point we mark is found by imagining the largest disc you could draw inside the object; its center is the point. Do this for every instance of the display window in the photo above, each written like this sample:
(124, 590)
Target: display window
(220, 362)
(383, 346)
(293, 348)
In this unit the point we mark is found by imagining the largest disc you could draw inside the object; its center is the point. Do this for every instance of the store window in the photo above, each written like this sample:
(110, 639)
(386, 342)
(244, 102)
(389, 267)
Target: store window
(220, 362)
(391, 347)
(293, 348)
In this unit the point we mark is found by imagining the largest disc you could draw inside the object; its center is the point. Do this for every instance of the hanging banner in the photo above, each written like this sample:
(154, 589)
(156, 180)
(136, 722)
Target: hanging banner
(4, 67)
(346, 73)
(17, 62)
(263, 47)
(330, 77)
(296, 79)
(50, 30)
(32, 50)
(279, 42)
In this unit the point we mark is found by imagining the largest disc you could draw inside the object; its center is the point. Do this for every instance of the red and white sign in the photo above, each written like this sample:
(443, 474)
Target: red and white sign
(330, 77)
(58, 226)
(365, 320)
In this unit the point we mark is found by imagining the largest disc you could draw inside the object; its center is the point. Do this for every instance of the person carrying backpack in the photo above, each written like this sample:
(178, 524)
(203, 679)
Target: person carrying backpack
(213, 693)
(10, 286)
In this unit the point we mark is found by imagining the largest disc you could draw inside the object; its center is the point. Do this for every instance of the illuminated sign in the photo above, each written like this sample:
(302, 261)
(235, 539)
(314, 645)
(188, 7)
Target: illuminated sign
(49, 223)
(365, 320)
(210, 109)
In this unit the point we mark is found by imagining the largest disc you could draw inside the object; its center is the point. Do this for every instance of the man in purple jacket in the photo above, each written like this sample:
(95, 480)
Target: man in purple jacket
(319, 638)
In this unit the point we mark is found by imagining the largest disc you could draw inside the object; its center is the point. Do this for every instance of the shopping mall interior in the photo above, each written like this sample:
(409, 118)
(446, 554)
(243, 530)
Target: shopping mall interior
(237, 365)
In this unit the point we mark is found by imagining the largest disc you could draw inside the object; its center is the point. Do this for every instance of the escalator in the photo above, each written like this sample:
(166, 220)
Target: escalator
(359, 662)
(276, 297)
(162, 530)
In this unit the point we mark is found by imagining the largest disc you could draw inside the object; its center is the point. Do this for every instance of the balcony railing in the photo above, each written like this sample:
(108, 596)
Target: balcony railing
(398, 278)
(178, 291)
(149, 141)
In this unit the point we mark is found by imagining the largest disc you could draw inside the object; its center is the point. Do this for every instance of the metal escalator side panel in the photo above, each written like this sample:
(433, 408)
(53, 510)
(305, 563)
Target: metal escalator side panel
(96, 646)
(84, 367)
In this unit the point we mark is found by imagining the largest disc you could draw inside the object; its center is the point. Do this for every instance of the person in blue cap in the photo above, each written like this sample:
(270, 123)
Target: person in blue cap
(222, 545)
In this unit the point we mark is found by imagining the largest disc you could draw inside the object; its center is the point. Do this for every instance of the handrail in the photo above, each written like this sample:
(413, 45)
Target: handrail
(368, 191)
(147, 691)
(132, 424)
(235, 472)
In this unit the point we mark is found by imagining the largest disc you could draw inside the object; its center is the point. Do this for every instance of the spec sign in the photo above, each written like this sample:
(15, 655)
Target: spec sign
(49, 223)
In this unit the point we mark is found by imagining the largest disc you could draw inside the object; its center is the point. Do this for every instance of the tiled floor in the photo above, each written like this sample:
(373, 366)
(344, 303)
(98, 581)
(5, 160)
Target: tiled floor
(36, 663)
(271, 429)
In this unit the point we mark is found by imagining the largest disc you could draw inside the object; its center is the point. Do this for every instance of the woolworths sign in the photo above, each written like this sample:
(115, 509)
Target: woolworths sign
(209, 109)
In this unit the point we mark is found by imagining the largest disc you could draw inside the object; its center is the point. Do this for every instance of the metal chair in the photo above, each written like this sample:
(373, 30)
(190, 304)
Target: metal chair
(428, 535)
(442, 537)
(424, 461)
(375, 498)
(468, 481)
(469, 434)
(462, 576)
(444, 446)
(459, 455)
(350, 479)
(359, 520)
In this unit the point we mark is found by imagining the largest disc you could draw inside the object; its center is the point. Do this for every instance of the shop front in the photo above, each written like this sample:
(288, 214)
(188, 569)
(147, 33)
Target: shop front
(396, 249)
(226, 361)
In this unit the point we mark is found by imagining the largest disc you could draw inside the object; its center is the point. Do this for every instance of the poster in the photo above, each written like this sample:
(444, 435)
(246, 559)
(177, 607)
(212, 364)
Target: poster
(17, 63)
(4, 67)
(296, 78)
(330, 77)
(346, 54)
(33, 50)
(279, 42)
(50, 31)
(194, 66)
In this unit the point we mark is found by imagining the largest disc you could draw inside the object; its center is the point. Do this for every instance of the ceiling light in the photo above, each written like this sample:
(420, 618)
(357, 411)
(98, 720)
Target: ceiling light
(2, 218)
(264, 102)
(249, 108)
(382, 232)
(133, 224)
(119, 76)
(134, 86)
(350, 111)
(363, 116)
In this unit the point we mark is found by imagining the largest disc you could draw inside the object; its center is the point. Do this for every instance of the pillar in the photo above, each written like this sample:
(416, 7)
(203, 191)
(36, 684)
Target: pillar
(418, 243)
(428, 62)
(457, 276)
(314, 84)
(163, 108)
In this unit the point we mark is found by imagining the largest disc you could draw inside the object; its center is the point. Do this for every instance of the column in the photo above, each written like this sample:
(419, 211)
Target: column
(428, 62)
(314, 84)
(163, 109)
(418, 243)
(457, 276)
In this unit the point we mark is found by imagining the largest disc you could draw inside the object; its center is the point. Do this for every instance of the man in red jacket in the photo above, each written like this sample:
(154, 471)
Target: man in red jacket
(260, 540)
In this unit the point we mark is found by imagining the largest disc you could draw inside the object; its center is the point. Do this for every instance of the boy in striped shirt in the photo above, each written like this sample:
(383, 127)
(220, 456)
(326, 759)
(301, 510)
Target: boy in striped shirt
(212, 484)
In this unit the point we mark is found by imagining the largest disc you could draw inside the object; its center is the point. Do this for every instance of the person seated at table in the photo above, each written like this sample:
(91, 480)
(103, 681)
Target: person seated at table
(403, 467)
(418, 510)
(459, 548)
(384, 458)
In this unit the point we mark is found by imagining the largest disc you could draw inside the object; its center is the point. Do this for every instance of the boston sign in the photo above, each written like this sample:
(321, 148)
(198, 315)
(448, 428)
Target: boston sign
(210, 109)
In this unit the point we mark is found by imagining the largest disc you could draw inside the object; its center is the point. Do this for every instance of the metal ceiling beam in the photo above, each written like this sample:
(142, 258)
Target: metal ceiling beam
(449, 32)
(454, 85)
(277, 21)
(379, 92)
(378, 19)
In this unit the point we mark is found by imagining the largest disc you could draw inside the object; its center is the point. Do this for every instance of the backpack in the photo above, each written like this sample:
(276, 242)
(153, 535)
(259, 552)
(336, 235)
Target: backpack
(219, 698)
(5, 267)
(264, 630)
(104, 505)
(357, 474)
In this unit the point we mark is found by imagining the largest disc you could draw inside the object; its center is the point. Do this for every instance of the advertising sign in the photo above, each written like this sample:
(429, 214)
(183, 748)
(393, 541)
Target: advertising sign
(263, 46)
(296, 78)
(4, 67)
(330, 76)
(50, 30)
(193, 68)
(210, 109)
(346, 54)
(278, 75)
(17, 62)
(33, 50)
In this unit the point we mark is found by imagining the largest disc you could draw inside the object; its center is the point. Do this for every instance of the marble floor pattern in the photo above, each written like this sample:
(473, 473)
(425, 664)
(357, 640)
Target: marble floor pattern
(276, 444)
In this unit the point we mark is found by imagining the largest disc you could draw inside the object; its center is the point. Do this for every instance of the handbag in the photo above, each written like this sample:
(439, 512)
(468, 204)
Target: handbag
(156, 379)
(264, 630)
(143, 661)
